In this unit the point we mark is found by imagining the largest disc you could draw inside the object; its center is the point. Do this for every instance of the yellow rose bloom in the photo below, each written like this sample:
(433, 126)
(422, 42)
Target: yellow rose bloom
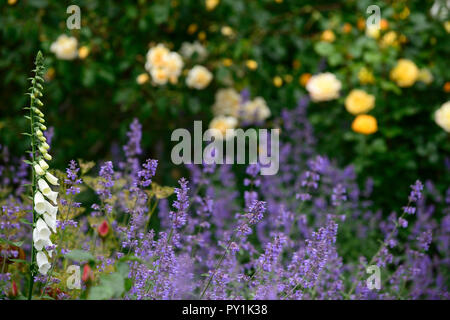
(405, 73)
(358, 101)
(198, 77)
(142, 78)
(365, 124)
(389, 39)
(223, 124)
(365, 76)
(83, 52)
(211, 4)
(442, 116)
(323, 87)
(251, 64)
(328, 36)
(277, 81)
(425, 76)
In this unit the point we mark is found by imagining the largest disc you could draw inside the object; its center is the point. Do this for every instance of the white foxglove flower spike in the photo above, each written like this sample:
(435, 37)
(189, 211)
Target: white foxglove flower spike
(52, 179)
(42, 262)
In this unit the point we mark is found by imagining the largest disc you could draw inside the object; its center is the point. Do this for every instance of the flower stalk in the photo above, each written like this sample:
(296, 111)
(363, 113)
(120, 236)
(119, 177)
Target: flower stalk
(44, 199)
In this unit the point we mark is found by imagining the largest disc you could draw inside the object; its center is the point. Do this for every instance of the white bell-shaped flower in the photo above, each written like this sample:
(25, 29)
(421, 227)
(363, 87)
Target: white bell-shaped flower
(50, 220)
(53, 196)
(52, 179)
(40, 242)
(44, 187)
(38, 169)
(42, 262)
(43, 164)
(42, 229)
(51, 210)
(40, 204)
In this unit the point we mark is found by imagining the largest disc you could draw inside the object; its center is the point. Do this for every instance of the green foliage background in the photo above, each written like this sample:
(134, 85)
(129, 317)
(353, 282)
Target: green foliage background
(91, 102)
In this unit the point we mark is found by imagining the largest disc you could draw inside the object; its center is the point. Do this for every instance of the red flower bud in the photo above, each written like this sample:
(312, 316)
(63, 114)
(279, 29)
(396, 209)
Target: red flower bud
(88, 274)
(13, 291)
(103, 229)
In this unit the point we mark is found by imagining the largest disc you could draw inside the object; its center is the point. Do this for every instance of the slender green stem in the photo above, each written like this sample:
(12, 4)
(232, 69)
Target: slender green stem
(33, 191)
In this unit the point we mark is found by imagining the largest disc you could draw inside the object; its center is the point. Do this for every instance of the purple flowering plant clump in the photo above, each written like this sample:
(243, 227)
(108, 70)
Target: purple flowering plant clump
(308, 232)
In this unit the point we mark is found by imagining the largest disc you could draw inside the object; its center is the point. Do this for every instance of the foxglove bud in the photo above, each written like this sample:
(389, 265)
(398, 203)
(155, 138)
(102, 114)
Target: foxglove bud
(38, 169)
(43, 164)
(47, 156)
(51, 178)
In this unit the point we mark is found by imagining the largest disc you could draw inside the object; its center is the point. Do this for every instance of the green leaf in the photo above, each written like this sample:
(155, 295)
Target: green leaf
(80, 255)
(324, 48)
(100, 293)
(26, 221)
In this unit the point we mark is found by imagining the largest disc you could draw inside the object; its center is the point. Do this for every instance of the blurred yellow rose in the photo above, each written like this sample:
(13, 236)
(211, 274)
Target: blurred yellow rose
(365, 124)
(142, 78)
(211, 4)
(156, 57)
(223, 124)
(373, 31)
(227, 102)
(425, 76)
(65, 48)
(405, 73)
(389, 39)
(365, 76)
(442, 116)
(358, 101)
(159, 75)
(198, 77)
(328, 36)
(83, 52)
(323, 87)
(251, 64)
(277, 81)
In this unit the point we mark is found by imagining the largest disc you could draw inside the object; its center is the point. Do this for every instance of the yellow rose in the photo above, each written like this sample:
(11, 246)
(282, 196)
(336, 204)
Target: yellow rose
(277, 81)
(405, 73)
(255, 110)
(323, 87)
(223, 124)
(251, 64)
(373, 31)
(198, 77)
(442, 116)
(389, 39)
(211, 4)
(328, 36)
(156, 57)
(83, 52)
(159, 75)
(227, 103)
(358, 101)
(142, 78)
(425, 76)
(365, 124)
(365, 76)
(65, 48)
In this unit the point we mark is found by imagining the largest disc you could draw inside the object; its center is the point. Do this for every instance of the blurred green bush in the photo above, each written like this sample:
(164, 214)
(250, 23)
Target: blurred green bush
(270, 47)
